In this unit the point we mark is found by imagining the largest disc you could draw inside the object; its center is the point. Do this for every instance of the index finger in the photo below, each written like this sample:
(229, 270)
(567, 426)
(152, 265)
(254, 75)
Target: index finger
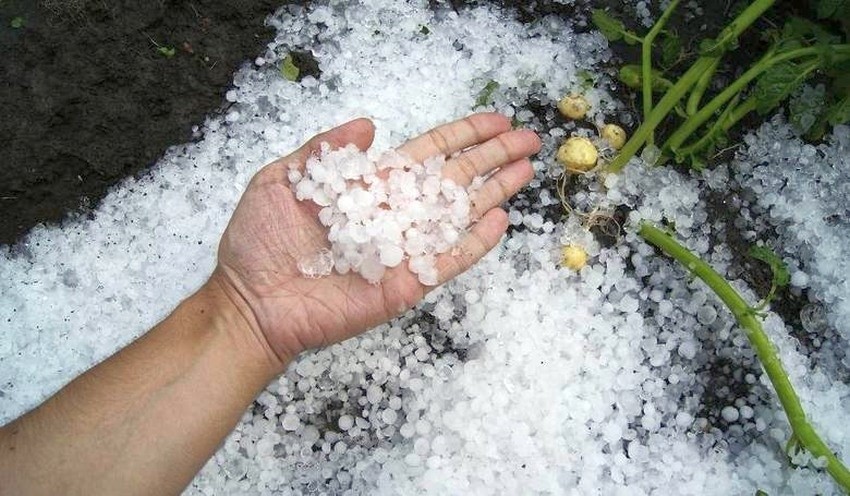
(456, 136)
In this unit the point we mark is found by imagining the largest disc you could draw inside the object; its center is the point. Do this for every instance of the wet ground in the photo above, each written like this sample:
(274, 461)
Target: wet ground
(92, 92)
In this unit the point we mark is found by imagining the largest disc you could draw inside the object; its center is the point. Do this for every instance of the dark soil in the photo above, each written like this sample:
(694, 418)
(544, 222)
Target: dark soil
(88, 98)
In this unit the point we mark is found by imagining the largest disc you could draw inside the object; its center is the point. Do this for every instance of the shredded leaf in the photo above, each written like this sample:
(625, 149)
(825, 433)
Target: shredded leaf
(671, 49)
(613, 29)
(781, 277)
(485, 97)
(586, 80)
(839, 113)
(166, 51)
(288, 69)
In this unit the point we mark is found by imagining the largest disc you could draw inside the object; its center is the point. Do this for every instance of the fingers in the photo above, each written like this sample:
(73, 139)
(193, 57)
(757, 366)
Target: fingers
(455, 136)
(497, 152)
(359, 132)
(500, 186)
(483, 236)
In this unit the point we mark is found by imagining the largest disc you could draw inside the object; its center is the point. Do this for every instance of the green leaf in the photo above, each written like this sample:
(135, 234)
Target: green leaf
(611, 28)
(781, 277)
(776, 84)
(839, 112)
(797, 30)
(424, 30)
(166, 51)
(17, 22)
(586, 80)
(485, 95)
(671, 49)
(288, 69)
(827, 8)
(632, 76)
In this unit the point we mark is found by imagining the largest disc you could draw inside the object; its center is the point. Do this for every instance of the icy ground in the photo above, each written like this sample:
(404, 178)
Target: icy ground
(518, 377)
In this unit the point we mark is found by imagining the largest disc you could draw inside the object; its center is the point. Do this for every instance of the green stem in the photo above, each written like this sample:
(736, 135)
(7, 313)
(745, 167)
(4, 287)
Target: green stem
(646, 60)
(765, 351)
(704, 114)
(678, 91)
(722, 125)
(699, 89)
(635, 39)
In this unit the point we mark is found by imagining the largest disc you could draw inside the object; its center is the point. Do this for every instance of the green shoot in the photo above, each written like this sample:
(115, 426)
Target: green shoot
(166, 51)
(803, 431)
(288, 69)
(703, 82)
(778, 269)
(17, 22)
(485, 96)
(646, 62)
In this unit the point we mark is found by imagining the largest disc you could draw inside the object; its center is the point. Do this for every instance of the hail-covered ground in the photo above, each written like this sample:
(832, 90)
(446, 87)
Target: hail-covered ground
(520, 376)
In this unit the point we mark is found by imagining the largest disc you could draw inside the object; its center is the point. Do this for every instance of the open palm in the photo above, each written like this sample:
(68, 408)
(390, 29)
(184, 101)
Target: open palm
(270, 231)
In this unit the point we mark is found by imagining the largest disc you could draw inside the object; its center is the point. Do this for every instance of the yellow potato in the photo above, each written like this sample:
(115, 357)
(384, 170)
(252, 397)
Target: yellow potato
(578, 154)
(573, 257)
(573, 107)
(614, 135)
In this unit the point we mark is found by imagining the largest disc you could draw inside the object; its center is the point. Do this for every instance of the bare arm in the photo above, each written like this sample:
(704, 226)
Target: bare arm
(147, 419)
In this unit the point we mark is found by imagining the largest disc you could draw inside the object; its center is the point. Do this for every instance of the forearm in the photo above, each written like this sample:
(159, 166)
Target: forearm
(145, 420)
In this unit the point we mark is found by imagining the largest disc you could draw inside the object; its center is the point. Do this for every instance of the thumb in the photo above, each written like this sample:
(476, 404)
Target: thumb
(359, 132)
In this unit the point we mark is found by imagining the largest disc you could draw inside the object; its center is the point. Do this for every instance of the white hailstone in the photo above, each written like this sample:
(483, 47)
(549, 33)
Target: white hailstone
(374, 394)
(290, 422)
(376, 221)
(421, 446)
(407, 430)
(684, 419)
(345, 422)
(391, 255)
(688, 350)
(799, 279)
(706, 315)
(317, 265)
(389, 416)
(729, 413)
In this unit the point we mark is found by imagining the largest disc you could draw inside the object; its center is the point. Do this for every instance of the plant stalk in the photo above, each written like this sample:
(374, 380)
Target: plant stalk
(678, 91)
(744, 314)
(646, 61)
(704, 114)
(699, 89)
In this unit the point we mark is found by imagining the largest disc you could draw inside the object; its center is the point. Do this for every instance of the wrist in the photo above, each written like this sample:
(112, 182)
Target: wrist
(231, 315)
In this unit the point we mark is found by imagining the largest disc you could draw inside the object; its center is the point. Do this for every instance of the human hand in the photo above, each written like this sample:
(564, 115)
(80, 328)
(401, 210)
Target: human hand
(271, 230)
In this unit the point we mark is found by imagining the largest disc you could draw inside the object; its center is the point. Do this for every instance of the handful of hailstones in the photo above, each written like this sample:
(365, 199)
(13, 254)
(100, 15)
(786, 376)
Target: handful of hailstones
(380, 211)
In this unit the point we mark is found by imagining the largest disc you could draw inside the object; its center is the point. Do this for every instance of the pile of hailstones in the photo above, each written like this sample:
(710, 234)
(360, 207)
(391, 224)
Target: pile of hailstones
(381, 211)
